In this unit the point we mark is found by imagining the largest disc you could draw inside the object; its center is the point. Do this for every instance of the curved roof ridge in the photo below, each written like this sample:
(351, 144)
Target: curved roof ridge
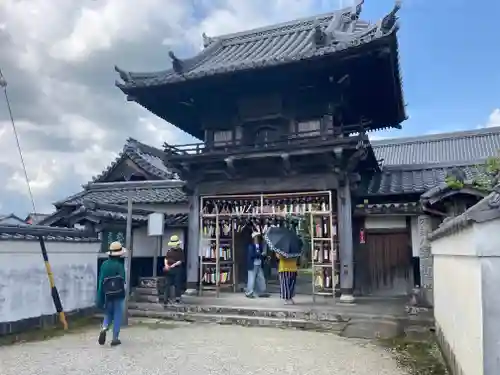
(275, 27)
(132, 150)
(428, 166)
(145, 147)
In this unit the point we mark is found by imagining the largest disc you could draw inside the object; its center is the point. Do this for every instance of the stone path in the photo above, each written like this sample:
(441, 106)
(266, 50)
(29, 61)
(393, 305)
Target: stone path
(196, 350)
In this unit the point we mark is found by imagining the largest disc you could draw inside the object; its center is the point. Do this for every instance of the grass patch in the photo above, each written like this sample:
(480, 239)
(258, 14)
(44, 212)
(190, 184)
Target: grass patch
(46, 333)
(419, 358)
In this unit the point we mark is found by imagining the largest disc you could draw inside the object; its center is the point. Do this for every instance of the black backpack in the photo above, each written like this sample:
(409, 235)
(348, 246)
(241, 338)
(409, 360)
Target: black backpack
(114, 287)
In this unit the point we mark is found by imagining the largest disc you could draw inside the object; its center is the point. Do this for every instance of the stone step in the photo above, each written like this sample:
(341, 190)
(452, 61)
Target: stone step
(365, 329)
(146, 298)
(246, 321)
(146, 291)
(288, 312)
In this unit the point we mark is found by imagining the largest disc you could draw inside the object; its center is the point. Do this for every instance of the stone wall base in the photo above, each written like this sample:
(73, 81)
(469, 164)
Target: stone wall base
(44, 321)
(448, 354)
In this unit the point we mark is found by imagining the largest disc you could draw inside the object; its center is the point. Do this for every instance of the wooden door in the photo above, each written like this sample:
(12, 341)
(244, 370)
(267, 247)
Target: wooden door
(389, 263)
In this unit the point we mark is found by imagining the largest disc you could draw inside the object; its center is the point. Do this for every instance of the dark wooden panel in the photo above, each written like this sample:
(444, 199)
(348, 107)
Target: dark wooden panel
(389, 259)
(292, 184)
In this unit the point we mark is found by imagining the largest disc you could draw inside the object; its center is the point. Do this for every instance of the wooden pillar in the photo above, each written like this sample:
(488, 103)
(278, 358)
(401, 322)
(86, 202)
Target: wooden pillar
(346, 252)
(193, 233)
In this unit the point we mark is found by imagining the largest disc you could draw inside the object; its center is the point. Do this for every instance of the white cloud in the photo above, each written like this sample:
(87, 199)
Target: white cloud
(100, 25)
(57, 56)
(494, 118)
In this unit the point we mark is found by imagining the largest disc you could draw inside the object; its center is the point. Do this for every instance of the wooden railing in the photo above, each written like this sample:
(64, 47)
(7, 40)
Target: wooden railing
(310, 138)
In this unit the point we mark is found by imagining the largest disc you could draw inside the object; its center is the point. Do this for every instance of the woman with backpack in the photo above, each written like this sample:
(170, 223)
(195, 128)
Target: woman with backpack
(111, 292)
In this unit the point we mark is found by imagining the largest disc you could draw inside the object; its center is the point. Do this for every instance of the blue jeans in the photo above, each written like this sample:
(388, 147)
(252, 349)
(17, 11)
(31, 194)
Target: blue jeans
(113, 314)
(256, 282)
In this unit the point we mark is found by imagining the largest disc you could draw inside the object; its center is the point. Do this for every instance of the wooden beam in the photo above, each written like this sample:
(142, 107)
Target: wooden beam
(355, 158)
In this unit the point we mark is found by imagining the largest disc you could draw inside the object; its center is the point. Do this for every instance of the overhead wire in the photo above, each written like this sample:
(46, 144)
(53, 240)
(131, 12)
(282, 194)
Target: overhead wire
(3, 85)
(54, 292)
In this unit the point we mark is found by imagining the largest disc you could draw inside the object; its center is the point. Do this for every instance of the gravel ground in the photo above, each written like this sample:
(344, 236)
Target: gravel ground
(197, 350)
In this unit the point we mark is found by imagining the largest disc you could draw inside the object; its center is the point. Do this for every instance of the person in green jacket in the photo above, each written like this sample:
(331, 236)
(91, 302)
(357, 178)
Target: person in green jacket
(111, 292)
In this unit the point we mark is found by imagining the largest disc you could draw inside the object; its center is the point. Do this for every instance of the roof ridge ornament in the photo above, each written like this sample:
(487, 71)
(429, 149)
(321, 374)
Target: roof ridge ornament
(348, 18)
(125, 76)
(359, 8)
(390, 20)
(318, 36)
(207, 40)
(177, 63)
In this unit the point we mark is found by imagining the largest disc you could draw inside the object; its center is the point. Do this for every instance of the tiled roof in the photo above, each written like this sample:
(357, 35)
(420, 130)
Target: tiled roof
(417, 164)
(465, 148)
(146, 157)
(269, 46)
(180, 219)
(173, 194)
(396, 180)
(33, 232)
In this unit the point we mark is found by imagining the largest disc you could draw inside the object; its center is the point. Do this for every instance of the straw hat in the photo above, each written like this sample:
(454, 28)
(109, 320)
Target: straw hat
(116, 249)
(174, 241)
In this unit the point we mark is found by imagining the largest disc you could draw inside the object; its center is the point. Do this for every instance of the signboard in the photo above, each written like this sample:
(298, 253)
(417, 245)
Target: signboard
(155, 224)
(110, 236)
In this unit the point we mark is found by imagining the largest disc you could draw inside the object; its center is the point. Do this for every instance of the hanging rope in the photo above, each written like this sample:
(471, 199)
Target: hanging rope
(3, 84)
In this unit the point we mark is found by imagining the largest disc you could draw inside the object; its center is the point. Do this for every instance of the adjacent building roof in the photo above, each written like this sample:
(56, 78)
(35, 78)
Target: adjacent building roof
(269, 46)
(34, 232)
(145, 157)
(173, 194)
(457, 148)
(164, 192)
(414, 179)
(417, 164)
(99, 215)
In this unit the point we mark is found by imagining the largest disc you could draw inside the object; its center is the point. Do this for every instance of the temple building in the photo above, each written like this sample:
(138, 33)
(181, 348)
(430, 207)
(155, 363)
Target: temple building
(283, 115)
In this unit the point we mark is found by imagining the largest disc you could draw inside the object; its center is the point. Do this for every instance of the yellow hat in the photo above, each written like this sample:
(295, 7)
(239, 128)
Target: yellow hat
(116, 249)
(174, 241)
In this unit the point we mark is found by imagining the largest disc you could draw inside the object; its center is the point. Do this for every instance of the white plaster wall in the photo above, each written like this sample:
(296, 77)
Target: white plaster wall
(458, 297)
(144, 246)
(466, 295)
(24, 287)
(385, 222)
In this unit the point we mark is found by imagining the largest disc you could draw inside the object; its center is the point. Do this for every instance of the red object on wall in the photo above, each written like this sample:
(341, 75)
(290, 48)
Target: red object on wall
(362, 236)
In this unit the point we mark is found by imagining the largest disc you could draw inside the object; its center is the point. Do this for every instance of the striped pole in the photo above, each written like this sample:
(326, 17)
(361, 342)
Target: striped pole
(55, 294)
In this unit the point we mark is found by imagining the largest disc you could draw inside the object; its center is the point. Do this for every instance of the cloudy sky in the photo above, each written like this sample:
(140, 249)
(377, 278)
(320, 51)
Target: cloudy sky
(58, 58)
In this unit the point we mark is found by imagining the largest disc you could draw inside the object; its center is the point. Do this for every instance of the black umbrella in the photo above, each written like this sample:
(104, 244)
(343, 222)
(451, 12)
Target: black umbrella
(283, 241)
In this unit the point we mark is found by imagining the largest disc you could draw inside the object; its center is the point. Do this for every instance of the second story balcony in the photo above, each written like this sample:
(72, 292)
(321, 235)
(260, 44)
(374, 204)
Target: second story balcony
(294, 153)
(310, 142)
